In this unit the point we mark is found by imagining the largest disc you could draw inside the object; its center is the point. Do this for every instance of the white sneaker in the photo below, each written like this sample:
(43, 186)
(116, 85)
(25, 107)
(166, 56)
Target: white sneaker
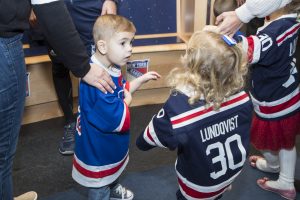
(121, 193)
(27, 196)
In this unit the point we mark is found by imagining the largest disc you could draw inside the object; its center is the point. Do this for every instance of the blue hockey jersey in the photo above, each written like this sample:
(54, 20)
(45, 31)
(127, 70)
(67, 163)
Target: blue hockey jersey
(211, 145)
(275, 83)
(102, 139)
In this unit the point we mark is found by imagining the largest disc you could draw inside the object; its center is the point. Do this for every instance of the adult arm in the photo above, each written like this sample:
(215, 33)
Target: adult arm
(60, 32)
(230, 22)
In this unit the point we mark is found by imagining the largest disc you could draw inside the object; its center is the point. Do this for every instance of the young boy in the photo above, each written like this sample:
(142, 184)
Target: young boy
(102, 139)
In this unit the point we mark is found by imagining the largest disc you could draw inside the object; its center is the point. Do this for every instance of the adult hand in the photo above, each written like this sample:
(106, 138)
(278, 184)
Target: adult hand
(228, 23)
(109, 7)
(100, 79)
(240, 2)
(32, 19)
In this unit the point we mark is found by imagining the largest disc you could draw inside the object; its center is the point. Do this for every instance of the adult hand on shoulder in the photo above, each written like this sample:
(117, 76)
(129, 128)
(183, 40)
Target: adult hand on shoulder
(109, 7)
(228, 23)
(100, 79)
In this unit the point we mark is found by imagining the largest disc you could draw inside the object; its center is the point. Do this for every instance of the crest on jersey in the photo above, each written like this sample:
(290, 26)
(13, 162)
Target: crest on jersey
(136, 68)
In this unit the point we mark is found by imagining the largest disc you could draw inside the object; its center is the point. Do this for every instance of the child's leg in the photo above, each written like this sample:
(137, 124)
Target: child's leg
(268, 163)
(284, 185)
(102, 193)
(287, 170)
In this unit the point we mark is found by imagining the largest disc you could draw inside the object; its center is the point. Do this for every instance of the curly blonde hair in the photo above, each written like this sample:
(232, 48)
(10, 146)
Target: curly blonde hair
(212, 68)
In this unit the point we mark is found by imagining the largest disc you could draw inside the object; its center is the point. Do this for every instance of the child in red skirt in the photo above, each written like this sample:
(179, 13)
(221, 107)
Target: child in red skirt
(276, 97)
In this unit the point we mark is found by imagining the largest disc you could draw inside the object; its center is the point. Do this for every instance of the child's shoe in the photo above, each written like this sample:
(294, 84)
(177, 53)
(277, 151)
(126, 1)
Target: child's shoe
(27, 196)
(120, 193)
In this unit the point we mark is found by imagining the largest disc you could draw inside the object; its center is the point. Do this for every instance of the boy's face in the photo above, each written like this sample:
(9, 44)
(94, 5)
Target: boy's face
(119, 48)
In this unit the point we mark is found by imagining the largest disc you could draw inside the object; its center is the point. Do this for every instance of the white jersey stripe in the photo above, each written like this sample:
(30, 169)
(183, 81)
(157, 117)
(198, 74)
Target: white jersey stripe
(287, 34)
(207, 189)
(35, 2)
(154, 136)
(97, 182)
(259, 106)
(192, 116)
(119, 128)
(98, 168)
(147, 137)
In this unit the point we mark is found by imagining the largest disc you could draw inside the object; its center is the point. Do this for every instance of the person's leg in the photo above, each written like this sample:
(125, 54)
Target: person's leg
(284, 185)
(12, 99)
(63, 87)
(102, 193)
(268, 163)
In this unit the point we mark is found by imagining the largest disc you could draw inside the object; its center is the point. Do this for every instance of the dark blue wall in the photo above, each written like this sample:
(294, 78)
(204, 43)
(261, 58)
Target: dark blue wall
(150, 16)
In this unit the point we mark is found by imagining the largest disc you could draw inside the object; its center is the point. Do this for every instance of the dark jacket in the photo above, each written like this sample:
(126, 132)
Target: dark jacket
(14, 16)
(57, 26)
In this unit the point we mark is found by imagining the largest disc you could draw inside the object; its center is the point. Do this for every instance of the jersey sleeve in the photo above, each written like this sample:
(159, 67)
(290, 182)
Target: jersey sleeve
(60, 32)
(260, 48)
(109, 114)
(158, 133)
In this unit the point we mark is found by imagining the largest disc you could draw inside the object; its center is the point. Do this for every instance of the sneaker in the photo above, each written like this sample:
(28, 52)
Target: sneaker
(120, 193)
(27, 196)
(67, 143)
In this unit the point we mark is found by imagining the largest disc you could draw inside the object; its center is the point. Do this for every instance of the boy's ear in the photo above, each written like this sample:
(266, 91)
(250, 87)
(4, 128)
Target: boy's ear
(101, 46)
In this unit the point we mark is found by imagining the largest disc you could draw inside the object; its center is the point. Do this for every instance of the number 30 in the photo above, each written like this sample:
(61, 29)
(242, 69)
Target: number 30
(222, 156)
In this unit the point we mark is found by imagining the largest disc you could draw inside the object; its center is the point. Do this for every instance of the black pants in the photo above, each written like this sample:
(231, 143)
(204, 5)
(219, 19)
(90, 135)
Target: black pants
(63, 86)
(181, 197)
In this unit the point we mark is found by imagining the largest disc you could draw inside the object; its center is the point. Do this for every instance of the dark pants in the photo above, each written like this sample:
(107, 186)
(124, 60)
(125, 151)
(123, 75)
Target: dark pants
(181, 197)
(84, 14)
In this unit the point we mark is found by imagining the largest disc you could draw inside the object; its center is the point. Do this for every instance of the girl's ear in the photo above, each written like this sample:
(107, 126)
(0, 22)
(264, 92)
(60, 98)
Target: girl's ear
(101, 46)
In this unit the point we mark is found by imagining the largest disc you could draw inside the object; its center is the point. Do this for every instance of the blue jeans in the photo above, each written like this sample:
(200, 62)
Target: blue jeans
(12, 99)
(102, 193)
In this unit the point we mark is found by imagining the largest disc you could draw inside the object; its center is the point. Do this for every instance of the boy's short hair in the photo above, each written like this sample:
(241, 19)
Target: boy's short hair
(221, 6)
(106, 25)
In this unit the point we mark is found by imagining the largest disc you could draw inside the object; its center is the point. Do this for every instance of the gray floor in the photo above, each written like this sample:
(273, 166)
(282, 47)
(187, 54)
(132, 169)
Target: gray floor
(38, 166)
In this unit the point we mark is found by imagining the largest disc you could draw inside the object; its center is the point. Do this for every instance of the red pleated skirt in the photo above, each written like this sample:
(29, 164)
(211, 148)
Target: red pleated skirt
(275, 135)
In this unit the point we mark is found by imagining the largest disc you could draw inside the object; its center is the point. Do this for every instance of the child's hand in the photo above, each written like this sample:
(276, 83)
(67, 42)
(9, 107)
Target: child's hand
(152, 75)
(128, 97)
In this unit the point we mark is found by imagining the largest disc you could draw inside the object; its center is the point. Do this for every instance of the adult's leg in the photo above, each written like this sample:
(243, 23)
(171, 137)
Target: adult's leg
(63, 86)
(12, 99)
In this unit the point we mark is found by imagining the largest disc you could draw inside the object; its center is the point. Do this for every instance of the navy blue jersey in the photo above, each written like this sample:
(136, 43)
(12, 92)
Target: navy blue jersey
(212, 145)
(274, 87)
(102, 139)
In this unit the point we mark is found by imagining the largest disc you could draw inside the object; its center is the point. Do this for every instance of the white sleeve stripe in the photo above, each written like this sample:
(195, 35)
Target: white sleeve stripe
(37, 2)
(119, 128)
(256, 49)
(146, 138)
(154, 136)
